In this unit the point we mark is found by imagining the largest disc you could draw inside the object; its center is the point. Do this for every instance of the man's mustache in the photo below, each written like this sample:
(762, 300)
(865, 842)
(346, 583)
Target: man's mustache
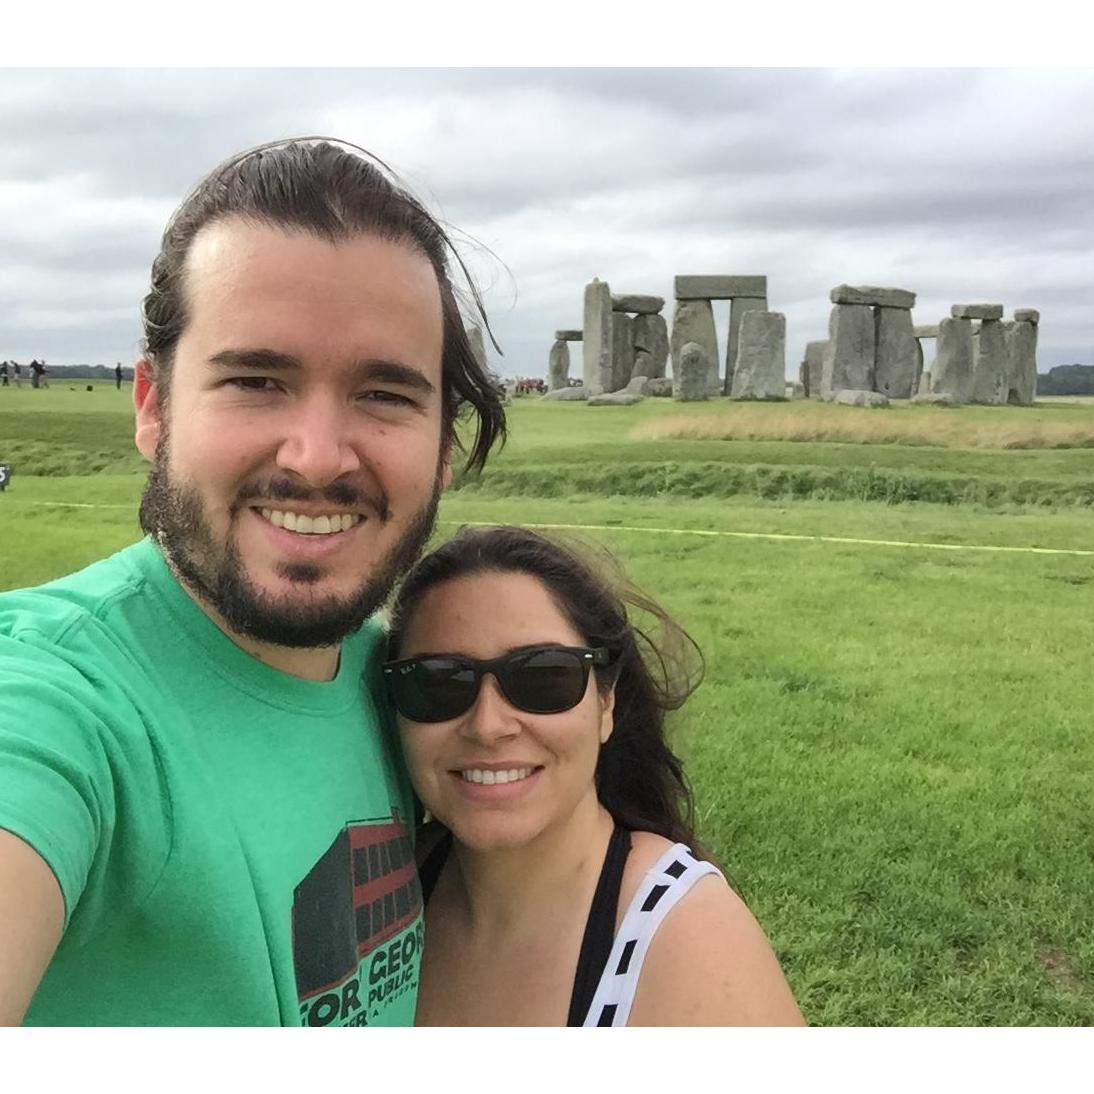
(341, 494)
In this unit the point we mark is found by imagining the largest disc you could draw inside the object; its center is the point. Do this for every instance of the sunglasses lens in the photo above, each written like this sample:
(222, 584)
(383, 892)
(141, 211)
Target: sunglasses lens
(433, 689)
(546, 681)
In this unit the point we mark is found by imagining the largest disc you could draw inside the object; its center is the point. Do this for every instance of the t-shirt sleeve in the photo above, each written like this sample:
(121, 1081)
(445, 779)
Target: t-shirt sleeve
(56, 781)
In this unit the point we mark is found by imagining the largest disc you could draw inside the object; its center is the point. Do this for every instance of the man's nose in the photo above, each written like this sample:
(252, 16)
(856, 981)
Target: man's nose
(492, 718)
(319, 441)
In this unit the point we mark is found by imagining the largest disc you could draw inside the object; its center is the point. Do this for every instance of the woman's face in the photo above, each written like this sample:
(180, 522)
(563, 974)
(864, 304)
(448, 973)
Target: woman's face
(485, 616)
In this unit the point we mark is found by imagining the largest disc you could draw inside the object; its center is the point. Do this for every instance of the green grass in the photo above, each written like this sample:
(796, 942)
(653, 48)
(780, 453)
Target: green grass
(891, 749)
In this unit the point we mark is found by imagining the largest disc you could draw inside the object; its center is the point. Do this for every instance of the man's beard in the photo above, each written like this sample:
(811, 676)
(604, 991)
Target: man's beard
(172, 514)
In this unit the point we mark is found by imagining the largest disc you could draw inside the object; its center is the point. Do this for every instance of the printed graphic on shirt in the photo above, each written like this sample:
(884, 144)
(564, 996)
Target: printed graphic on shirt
(357, 927)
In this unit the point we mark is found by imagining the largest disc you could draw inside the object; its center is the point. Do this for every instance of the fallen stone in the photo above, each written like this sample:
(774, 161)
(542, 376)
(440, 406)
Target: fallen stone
(641, 305)
(660, 387)
(690, 370)
(1027, 315)
(739, 306)
(849, 357)
(558, 366)
(990, 366)
(622, 350)
(568, 335)
(977, 311)
(597, 336)
(614, 398)
(858, 398)
(926, 330)
(566, 395)
(760, 372)
(935, 398)
(638, 385)
(873, 296)
(952, 369)
(719, 287)
(693, 321)
(896, 359)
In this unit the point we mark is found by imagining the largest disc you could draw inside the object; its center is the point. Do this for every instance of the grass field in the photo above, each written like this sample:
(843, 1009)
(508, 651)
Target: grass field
(891, 751)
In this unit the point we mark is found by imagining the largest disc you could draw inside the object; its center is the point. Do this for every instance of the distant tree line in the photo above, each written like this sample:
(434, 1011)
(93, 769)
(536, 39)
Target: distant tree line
(1066, 380)
(87, 372)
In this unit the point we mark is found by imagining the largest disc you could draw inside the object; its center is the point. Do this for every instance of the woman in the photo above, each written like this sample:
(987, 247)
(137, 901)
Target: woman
(563, 892)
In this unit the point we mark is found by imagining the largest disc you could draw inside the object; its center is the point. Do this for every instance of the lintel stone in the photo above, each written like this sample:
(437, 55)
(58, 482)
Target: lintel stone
(927, 330)
(872, 295)
(639, 305)
(719, 287)
(569, 335)
(1027, 315)
(977, 311)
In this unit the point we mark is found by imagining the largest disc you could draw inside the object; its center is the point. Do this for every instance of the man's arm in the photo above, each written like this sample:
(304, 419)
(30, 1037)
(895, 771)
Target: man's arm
(32, 915)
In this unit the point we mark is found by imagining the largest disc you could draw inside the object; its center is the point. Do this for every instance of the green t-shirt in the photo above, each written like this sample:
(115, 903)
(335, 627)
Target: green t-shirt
(233, 843)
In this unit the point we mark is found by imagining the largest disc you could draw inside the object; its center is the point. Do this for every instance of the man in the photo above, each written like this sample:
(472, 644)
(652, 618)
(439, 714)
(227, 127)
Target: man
(202, 819)
(118, 376)
(3, 374)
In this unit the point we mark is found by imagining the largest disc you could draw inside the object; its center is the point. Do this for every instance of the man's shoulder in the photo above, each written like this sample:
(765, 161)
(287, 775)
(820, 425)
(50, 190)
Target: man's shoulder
(52, 607)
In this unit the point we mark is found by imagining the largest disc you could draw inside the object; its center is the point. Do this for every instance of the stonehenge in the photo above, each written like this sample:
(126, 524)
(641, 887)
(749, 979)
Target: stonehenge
(873, 346)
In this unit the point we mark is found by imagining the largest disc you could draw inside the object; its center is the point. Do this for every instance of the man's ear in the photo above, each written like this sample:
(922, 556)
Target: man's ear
(146, 400)
(607, 715)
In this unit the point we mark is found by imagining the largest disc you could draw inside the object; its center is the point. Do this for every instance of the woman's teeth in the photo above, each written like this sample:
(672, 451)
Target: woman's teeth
(489, 778)
(310, 526)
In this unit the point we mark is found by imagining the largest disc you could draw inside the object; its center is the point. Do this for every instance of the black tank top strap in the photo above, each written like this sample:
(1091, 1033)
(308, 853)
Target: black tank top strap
(596, 945)
(432, 865)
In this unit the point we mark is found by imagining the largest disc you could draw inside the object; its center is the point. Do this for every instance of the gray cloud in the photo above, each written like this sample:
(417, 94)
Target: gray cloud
(960, 184)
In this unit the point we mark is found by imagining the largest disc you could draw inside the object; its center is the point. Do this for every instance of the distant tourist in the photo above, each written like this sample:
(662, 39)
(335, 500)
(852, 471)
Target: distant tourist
(118, 375)
(15, 368)
(4, 374)
(35, 372)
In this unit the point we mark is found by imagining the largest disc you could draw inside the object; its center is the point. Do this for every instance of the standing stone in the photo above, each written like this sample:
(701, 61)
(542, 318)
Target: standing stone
(951, 373)
(651, 345)
(760, 372)
(622, 350)
(990, 365)
(897, 361)
(478, 347)
(849, 358)
(738, 306)
(693, 321)
(1022, 362)
(558, 366)
(690, 372)
(597, 337)
(813, 367)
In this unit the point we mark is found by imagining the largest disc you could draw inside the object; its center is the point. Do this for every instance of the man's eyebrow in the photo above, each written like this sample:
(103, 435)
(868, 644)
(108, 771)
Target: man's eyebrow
(269, 359)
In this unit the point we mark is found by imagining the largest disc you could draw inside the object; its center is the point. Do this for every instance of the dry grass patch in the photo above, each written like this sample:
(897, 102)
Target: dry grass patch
(937, 428)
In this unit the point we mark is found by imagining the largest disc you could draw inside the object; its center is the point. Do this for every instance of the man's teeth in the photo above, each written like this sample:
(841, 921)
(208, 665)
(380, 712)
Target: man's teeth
(479, 775)
(311, 526)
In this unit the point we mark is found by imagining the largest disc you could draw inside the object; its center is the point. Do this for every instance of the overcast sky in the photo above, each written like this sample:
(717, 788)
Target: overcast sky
(962, 185)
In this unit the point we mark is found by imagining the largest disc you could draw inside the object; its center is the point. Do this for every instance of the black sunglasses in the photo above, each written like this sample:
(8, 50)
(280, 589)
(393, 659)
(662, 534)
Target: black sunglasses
(539, 680)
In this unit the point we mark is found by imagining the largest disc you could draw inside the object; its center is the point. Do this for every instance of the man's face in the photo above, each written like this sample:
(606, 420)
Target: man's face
(297, 462)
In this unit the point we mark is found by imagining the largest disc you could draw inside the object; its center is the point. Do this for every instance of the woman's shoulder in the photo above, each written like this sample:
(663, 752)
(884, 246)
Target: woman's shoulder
(709, 962)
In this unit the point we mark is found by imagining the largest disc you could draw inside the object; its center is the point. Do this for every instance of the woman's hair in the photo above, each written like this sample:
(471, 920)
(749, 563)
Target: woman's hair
(639, 779)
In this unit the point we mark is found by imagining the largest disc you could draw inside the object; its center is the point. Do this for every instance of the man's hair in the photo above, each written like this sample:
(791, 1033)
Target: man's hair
(334, 190)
